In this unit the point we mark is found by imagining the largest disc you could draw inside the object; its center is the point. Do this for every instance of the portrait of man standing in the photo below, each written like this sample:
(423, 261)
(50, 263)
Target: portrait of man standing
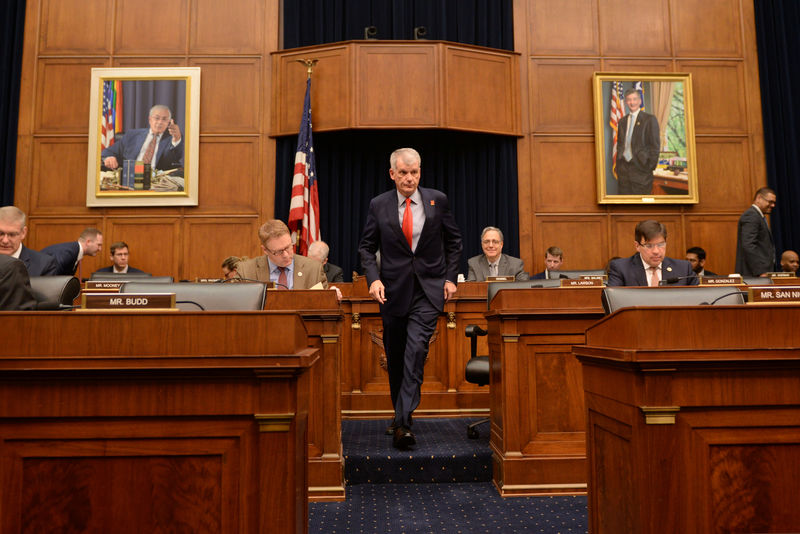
(638, 145)
(420, 249)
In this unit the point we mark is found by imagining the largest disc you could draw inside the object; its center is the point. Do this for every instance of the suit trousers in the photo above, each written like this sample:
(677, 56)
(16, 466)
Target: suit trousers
(405, 340)
(633, 181)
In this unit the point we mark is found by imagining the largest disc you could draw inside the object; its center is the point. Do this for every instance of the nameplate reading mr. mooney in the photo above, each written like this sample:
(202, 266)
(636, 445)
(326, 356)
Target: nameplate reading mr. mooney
(720, 280)
(102, 286)
(128, 301)
(571, 282)
(773, 295)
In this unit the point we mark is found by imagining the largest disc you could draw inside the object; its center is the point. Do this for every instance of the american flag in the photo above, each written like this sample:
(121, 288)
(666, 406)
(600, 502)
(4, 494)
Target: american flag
(304, 204)
(640, 87)
(615, 114)
(111, 121)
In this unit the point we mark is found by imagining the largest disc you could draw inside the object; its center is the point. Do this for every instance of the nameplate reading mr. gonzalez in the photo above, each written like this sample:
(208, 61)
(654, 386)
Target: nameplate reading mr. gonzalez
(773, 295)
(128, 301)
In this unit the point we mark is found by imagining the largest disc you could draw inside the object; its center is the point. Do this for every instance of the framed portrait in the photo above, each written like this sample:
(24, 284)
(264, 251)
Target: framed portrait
(644, 138)
(143, 137)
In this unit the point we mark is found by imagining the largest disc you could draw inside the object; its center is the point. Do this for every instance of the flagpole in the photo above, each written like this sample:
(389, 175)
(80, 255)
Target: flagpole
(309, 63)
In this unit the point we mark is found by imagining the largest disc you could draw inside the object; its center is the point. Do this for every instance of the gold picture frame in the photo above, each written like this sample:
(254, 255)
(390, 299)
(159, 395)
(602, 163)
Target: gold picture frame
(658, 163)
(125, 104)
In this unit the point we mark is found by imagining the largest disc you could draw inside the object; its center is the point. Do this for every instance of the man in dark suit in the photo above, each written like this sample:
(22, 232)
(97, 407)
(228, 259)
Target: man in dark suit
(120, 256)
(15, 285)
(790, 262)
(493, 262)
(12, 231)
(68, 255)
(319, 250)
(149, 145)
(697, 257)
(650, 266)
(638, 145)
(755, 249)
(420, 249)
(553, 258)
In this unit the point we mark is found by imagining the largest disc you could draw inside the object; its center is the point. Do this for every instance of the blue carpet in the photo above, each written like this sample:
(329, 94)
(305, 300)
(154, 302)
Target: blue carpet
(443, 453)
(452, 508)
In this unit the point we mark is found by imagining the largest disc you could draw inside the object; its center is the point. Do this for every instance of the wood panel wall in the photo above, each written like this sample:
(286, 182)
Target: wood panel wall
(563, 42)
(231, 42)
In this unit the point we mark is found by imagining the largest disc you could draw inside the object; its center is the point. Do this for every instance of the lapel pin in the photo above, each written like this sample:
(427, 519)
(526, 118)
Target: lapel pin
(299, 273)
(433, 202)
(669, 269)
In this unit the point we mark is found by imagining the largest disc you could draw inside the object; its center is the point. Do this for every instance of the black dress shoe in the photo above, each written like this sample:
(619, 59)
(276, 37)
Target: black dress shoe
(390, 430)
(403, 438)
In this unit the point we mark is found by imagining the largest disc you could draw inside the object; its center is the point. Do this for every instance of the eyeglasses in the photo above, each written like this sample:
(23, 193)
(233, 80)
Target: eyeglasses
(281, 252)
(10, 235)
(491, 242)
(651, 246)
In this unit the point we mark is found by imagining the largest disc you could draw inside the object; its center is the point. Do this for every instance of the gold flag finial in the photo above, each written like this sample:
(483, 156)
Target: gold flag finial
(309, 63)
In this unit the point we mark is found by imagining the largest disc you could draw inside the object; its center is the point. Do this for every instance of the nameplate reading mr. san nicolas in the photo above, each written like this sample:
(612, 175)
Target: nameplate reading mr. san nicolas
(128, 301)
(773, 295)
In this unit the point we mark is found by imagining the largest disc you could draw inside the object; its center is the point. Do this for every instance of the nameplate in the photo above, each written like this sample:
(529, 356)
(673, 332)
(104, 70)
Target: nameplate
(603, 277)
(500, 278)
(102, 286)
(773, 295)
(779, 275)
(580, 282)
(786, 281)
(721, 280)
(209, 280)
(128, 301)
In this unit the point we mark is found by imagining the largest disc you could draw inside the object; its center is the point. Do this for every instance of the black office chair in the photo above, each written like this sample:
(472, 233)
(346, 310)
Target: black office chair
(477, 371)
(196, 296)
(55, 292)
(615, 298)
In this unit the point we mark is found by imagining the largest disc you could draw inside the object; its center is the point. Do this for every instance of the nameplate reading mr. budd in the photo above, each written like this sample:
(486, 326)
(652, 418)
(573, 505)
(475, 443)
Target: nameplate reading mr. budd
(128, 301)
(773, 295)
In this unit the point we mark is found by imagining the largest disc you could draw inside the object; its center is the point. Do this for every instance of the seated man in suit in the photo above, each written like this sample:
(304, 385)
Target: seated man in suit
(493, 262)
(790, 262)
(12, 231)
(279, 263)
(553, 258)
(149, 145)
(120, 256)
(15, 285)
(68, 255)
(230, 266)
(318, 250)
(650, 266)
(697, 257)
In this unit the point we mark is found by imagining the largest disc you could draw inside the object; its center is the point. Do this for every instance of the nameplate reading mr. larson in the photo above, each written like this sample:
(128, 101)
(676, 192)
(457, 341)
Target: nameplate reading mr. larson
(128, 301)
(773, 295)
(571, 282)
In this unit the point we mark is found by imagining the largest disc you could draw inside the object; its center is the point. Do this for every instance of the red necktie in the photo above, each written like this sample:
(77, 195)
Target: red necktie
(408, 223)
(151, 149)
(283, 283)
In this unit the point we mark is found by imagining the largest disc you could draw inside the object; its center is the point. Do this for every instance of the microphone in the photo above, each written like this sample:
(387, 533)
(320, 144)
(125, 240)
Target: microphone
(190, 302)
(250, 280)
(720, 298)
(672, 280)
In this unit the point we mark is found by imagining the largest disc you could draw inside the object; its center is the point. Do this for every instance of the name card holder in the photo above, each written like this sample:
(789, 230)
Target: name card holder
(581, 282)
(603, 277)
(773, 295)
(786, 280)
(508, 278)
(128, 302)
(102, 286)
(779, 274)
(721, 281)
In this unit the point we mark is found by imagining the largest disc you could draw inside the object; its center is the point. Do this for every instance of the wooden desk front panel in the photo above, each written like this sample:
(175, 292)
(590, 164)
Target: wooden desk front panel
(365, 382)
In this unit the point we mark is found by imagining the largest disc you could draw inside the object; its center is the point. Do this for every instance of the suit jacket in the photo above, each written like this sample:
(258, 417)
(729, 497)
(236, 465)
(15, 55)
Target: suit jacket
(66, 256)
(307, 272)
(110, 269)
(755, 250)
(630, 272)
(333, 273)
(434, 261)
(128, 147)
(543, 276)
(645, 141)
(15, 285)
(38, 263)
(506, 266)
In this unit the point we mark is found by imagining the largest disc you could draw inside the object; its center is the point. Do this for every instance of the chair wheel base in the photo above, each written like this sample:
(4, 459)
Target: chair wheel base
(472, 433)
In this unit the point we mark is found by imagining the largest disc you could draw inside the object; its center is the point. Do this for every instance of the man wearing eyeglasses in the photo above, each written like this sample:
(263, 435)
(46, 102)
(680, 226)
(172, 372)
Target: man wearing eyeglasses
(650, 266)
(755, 248)
(12, 232)
(493, 262)
(280, 264)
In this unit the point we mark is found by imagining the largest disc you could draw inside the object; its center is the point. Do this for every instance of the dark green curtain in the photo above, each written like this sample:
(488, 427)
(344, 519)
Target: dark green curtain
(778, 39)
(11, 31)
(478, 172)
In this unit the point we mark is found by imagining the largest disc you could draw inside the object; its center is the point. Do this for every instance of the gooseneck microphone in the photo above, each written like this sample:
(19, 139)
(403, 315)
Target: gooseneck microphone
(674, 279)
(737, 292)
(223, 281)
